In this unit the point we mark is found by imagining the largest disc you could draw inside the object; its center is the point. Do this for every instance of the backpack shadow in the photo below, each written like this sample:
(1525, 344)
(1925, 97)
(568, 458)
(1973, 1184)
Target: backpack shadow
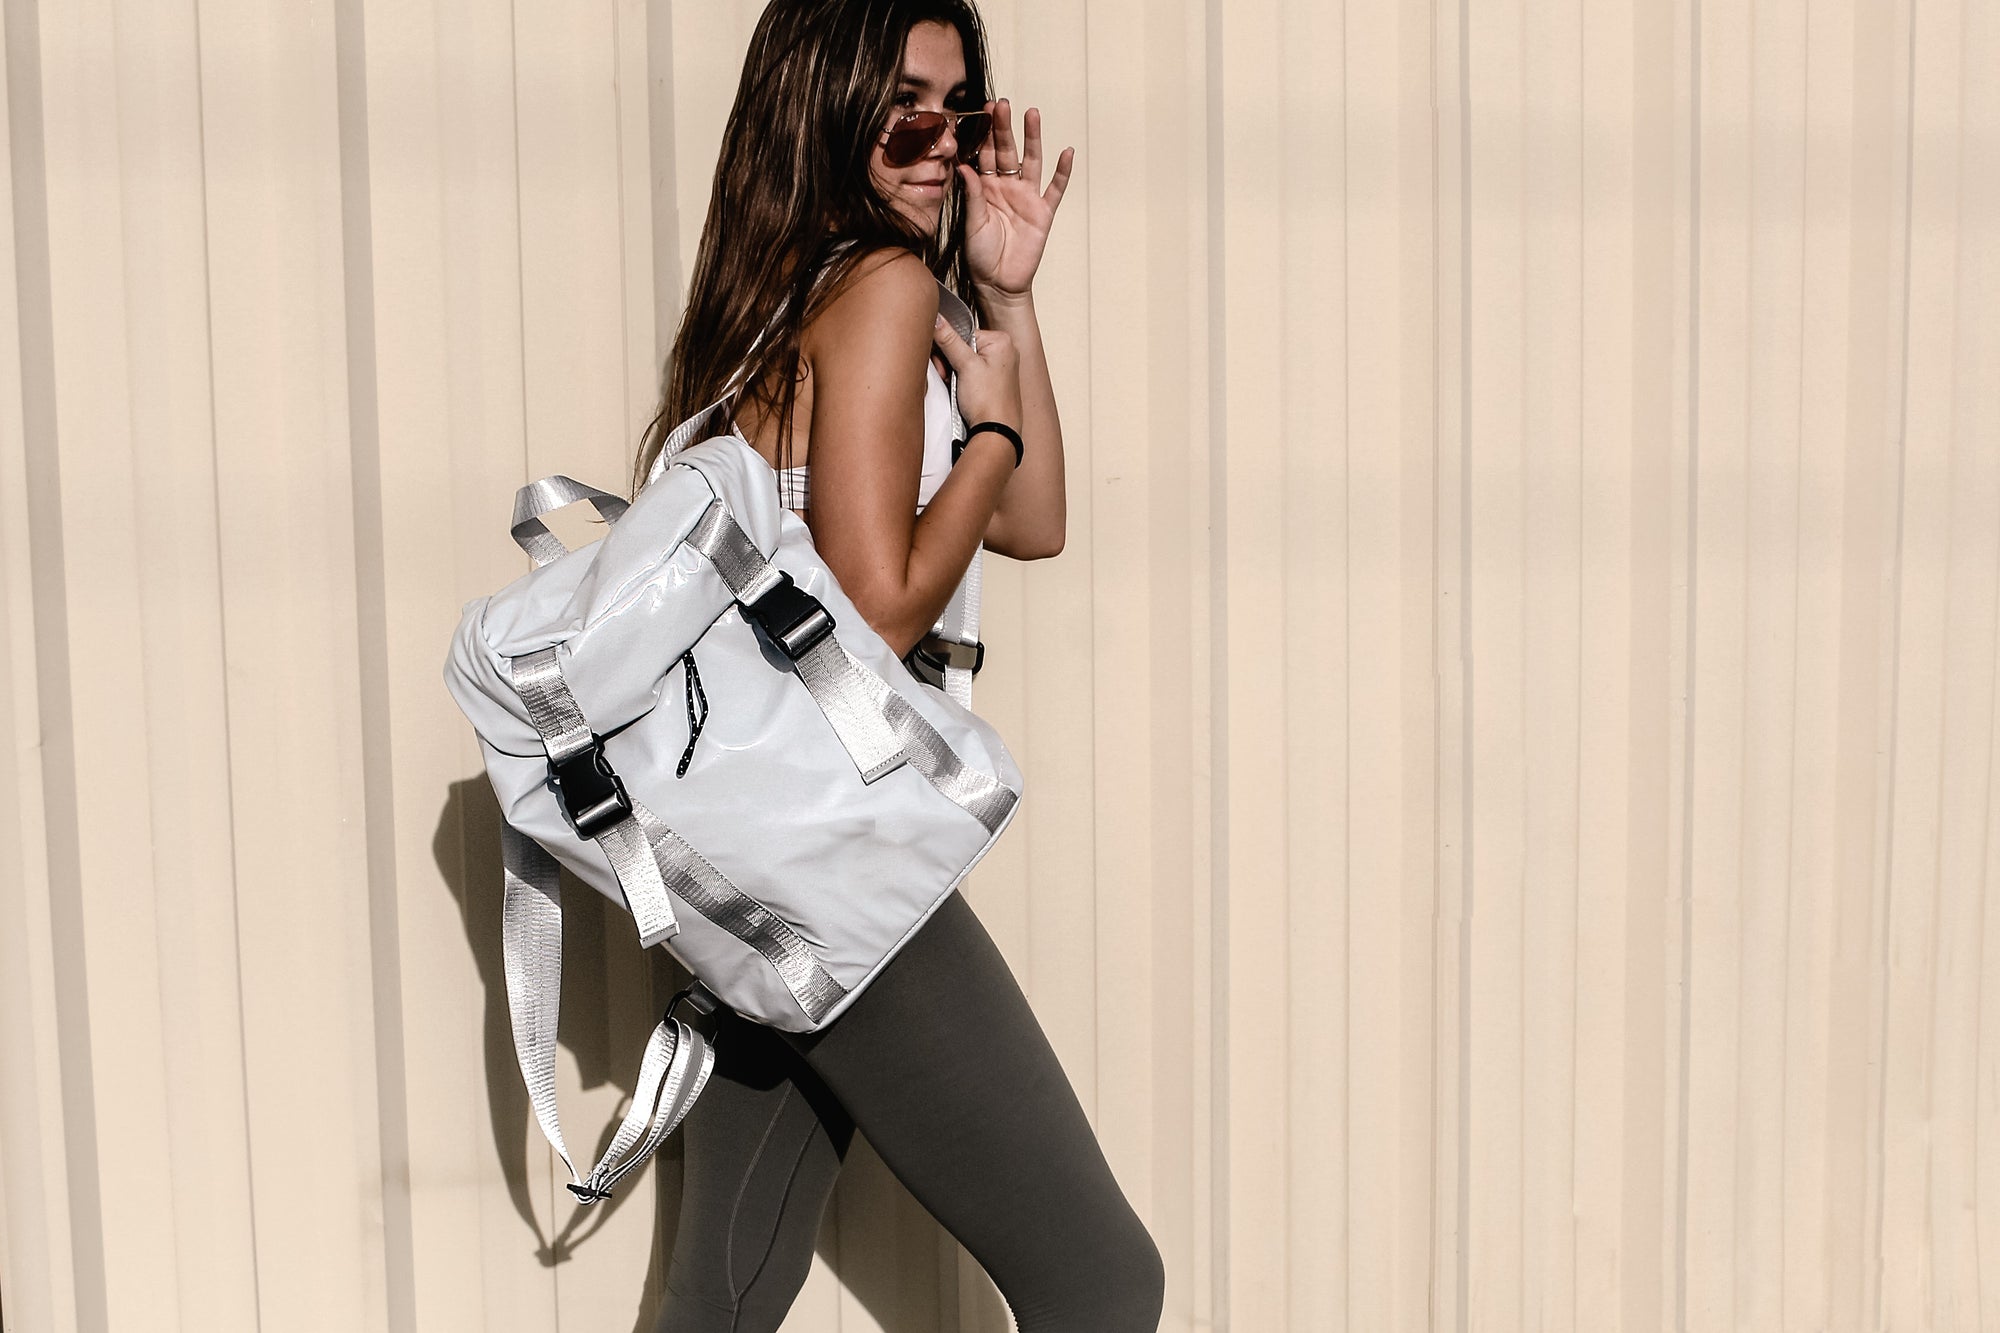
(611, 998)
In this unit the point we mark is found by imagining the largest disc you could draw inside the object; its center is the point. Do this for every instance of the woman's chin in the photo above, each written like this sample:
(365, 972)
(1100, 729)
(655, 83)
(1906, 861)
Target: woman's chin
(923, 218)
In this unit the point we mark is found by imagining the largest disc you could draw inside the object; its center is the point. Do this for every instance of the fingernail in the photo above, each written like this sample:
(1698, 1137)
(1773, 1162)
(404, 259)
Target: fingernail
(940, 321)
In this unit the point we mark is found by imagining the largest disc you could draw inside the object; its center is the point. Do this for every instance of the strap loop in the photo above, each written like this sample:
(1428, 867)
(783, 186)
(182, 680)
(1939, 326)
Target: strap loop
(546, 496)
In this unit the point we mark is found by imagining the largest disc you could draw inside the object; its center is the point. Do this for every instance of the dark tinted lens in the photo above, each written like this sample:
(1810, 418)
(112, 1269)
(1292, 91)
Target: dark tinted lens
(972, 130)
(911, 137)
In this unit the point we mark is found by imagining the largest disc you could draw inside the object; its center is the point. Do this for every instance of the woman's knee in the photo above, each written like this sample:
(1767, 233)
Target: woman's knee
(1117, 1285)
(1139, 1286)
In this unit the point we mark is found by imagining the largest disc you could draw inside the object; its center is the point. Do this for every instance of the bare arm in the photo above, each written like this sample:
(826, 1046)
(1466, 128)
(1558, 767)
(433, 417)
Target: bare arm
(867, 353)
(1033, 514)
(1008, 217)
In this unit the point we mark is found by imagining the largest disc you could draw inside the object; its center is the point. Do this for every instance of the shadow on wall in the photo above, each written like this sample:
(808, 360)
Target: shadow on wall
(874, 1233)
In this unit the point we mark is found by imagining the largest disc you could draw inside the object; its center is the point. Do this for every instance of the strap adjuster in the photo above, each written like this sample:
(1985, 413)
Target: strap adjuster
(699, 999)
(939, 652)
(592, 794)
(791, 616)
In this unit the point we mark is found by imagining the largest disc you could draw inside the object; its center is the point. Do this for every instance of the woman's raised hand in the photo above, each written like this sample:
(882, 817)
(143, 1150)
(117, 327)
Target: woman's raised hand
(1007, 212)
(989, 380)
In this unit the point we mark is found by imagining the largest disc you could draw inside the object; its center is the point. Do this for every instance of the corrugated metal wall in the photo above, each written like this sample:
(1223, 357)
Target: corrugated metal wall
(1511, 737)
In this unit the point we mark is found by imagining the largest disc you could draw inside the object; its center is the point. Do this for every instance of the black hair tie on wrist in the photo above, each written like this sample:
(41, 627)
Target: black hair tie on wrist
(1013, 436)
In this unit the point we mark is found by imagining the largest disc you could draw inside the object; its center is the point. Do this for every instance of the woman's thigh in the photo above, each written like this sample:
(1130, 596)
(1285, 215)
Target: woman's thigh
(762, 1147)
(942, 1064)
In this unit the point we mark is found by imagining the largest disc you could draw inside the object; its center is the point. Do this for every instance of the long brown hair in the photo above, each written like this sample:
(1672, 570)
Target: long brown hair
(794, 208)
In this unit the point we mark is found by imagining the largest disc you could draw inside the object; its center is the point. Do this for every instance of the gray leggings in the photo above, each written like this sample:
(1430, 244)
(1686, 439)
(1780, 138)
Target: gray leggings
(942, 1065)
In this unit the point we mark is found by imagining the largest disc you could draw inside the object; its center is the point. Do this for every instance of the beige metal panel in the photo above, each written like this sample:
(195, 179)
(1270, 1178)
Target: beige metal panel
(278, 303)
(1361, 542)
(1625, 353)
(1724, 655)
(1821, 1203)
(434, 110)
(39, 1271)
(1038, 59)
(1110, 440)
(1553, 623)
(1142, 425)
(1943, 698)
(1497, 795)
(1450, 1028)
(95, 424)
(165, 272)
(1648, 1112)
(1872, 388)
(1969, 1104)
(1256, 1198)
(1338, 207)
(1598, 343)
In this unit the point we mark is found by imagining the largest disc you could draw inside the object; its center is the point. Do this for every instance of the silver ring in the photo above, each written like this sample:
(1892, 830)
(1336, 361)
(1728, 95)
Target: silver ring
(1015, 172)
(993, 173)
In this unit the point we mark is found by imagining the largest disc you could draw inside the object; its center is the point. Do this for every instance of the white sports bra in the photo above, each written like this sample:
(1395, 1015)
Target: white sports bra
(942, 423)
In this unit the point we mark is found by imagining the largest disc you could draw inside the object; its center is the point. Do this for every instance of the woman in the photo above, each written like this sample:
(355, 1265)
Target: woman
(839, 195)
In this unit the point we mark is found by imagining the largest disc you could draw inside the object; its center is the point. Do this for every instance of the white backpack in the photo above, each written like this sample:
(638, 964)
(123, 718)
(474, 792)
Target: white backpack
(692, 718)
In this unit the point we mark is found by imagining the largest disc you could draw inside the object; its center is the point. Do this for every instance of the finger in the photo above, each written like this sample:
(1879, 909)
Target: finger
(983, 159)
(1031, 153)
(947, 339)
(1006, 154)
(975, 193)
(1060, 181)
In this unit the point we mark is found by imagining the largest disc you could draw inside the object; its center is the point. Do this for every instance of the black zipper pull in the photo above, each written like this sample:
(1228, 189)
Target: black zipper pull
(695, 720)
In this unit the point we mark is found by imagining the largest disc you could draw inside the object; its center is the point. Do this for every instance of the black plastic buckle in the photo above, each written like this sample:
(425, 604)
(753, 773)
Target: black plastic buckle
(792, 617)
(939, 653)
(591, 791)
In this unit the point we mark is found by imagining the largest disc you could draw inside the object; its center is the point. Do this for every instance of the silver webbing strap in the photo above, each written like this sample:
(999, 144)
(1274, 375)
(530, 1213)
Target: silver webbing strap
(678, 1059)
(566, 733)
(545, 496)
(982, 797)
(856, 700)
(959, 623)
(707, 890)
(850, 695)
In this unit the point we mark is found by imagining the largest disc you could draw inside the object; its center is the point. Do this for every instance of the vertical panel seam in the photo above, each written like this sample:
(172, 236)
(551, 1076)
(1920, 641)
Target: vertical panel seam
(1218, 685)
(1895, 641)
(55, 717)
(1577, 996)
(1689, 664)
(222, 655)
(1798, 615)
(1089, 290)
(372, 665)
(1463, 1257)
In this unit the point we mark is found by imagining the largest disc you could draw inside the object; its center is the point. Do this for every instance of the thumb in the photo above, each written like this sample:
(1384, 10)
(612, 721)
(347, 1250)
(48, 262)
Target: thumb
(954, 348)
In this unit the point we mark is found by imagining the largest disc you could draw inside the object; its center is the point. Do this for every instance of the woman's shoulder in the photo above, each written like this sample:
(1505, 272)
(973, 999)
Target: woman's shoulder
(889, 287)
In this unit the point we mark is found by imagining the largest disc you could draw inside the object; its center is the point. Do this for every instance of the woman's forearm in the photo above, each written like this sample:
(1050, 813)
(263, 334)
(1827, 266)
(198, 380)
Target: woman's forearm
(1032, 517)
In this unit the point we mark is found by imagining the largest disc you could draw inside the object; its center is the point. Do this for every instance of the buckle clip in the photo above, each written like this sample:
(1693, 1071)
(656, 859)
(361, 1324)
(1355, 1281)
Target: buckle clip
(939, 653)
(592, 794)
(791, 617)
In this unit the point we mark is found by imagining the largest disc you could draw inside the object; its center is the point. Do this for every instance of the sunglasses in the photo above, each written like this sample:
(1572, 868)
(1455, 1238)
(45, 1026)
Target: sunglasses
(915, 133)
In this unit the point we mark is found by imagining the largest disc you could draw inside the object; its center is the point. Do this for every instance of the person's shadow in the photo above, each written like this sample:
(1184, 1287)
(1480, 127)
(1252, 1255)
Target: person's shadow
(612, 996)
